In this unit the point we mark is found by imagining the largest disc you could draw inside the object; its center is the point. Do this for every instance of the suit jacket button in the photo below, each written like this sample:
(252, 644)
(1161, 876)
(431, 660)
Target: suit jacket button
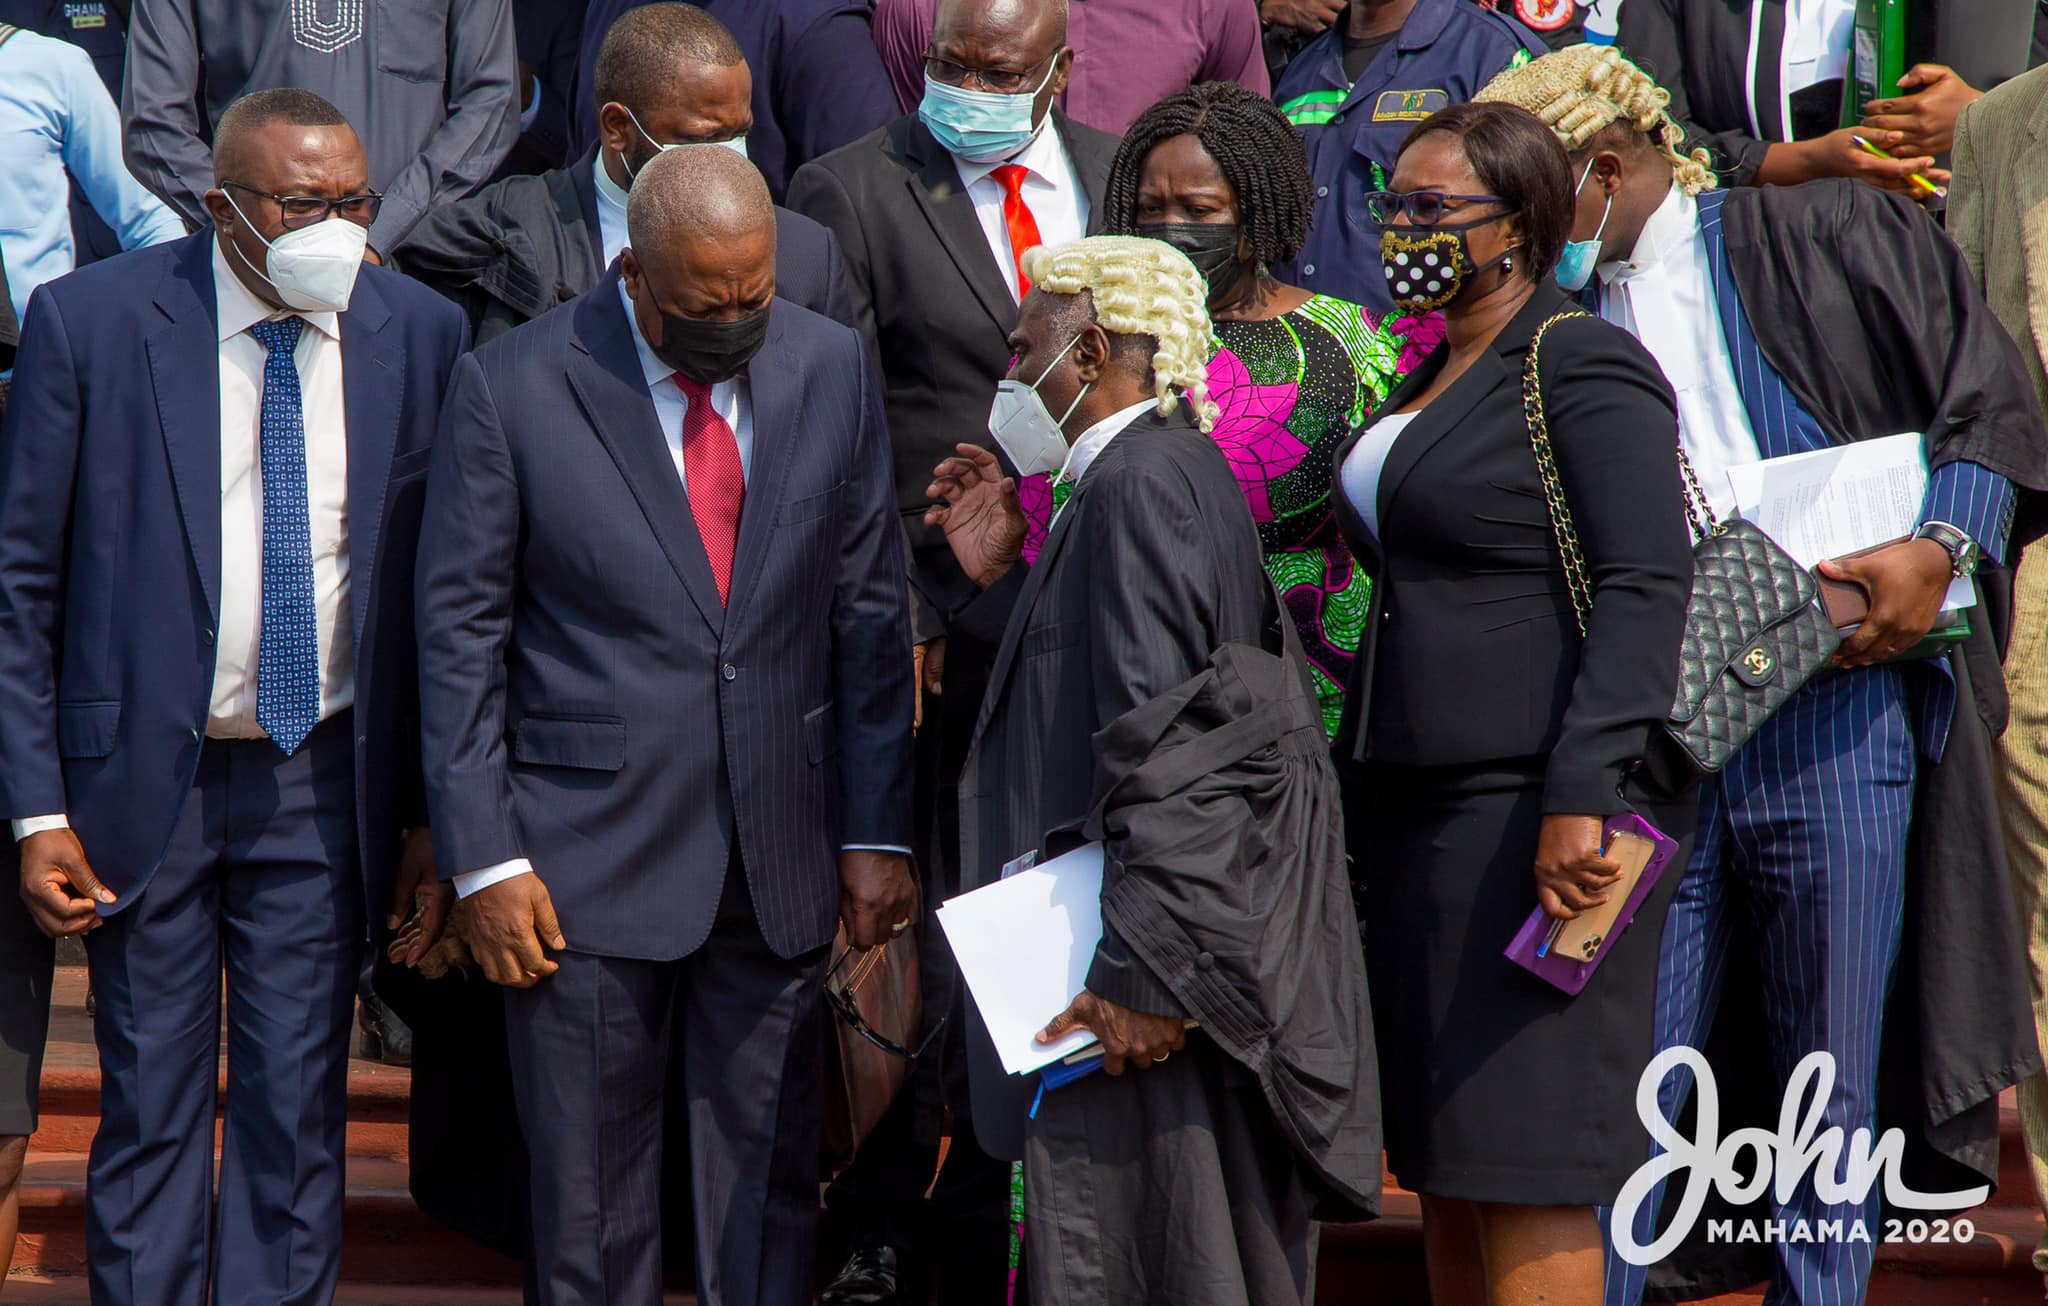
(194, 734)
(1206, 960)
(729, 671)
(208, 636)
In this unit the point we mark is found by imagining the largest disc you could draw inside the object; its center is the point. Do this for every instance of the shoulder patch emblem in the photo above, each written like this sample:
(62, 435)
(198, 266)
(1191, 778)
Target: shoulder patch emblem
(1408, 106)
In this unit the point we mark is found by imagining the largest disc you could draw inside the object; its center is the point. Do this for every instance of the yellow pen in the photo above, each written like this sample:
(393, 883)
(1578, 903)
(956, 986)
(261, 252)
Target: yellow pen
(1938, 192)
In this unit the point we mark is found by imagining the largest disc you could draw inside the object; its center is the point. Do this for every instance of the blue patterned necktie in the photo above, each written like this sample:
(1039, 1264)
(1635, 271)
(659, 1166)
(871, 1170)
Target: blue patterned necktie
(288, 657)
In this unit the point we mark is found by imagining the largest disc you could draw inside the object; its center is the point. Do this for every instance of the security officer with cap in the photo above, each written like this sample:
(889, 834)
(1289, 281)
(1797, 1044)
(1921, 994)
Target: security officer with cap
(1355, 93)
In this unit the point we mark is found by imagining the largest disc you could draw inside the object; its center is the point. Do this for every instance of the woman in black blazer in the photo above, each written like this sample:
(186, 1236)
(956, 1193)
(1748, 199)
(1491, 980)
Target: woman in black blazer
(1485, 738)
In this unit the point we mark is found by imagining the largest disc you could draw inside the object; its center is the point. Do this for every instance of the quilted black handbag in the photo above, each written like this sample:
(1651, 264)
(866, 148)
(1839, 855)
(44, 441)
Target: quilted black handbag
(1754, 629)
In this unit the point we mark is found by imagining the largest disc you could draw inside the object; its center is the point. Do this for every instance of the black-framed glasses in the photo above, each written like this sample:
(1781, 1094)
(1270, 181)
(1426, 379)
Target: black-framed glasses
(305, 210)
(841, 990)
(1425, 208)
(1001, 81)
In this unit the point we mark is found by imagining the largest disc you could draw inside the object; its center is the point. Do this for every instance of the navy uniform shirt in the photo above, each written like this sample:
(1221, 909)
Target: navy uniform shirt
(1444, 53)
(95, 26)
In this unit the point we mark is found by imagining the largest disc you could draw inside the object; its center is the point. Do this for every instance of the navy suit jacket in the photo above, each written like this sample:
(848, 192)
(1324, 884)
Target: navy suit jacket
(588, 703)
(110, 548)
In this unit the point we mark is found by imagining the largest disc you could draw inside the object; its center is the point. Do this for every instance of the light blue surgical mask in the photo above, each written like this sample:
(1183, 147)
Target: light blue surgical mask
(981, 126)
(1575, 266)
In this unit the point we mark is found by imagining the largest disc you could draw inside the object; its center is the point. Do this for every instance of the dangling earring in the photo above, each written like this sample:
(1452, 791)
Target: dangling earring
(1507, 263)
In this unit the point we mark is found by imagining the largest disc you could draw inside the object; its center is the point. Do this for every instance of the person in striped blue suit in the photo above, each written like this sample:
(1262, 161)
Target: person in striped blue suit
(1777, 341)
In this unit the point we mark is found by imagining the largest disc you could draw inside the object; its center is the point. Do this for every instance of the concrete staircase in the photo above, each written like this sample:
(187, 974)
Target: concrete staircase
(395, 1256)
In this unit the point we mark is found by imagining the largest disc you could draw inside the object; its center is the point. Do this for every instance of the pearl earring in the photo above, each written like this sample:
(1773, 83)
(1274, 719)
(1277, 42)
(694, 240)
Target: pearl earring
(1507, 263)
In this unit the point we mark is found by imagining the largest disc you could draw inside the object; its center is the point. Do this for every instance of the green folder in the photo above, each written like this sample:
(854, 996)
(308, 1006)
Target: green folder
(1877, 56)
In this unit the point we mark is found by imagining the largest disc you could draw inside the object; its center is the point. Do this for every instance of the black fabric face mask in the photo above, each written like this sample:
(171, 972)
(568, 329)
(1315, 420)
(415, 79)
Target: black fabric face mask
(707, 351)
(1210, 246)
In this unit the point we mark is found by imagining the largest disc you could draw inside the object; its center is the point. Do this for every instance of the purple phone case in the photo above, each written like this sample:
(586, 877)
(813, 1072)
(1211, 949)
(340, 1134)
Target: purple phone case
(1568, 973)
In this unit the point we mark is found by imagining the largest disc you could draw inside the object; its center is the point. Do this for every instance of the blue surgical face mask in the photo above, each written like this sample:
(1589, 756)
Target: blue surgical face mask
(981, 126)
(1575, 266)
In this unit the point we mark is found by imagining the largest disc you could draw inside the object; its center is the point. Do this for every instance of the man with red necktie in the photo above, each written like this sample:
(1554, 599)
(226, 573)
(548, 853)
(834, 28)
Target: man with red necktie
(664, 709)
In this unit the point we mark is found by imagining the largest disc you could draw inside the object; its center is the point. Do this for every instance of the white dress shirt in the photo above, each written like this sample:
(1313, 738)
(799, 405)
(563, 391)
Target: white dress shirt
(611, 211)
(1081, 455)
(1664, 296)
(1816, 46)
(232, 714)
(1052, 190)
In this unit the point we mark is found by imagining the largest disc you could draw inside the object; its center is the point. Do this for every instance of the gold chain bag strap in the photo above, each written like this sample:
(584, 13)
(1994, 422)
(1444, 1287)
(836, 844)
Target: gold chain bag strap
(1755, 632)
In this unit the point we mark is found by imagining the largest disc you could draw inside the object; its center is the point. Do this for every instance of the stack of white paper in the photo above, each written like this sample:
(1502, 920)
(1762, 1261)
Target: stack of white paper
(1023, 945)
(1834, 501)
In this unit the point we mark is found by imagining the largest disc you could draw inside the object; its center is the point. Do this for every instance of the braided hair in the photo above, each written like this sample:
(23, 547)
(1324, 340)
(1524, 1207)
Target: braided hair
(1253, 144)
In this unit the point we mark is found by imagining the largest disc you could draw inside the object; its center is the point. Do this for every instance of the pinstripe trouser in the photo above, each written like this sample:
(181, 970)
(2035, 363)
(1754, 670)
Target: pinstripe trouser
(2023, 803)
(1802, 841)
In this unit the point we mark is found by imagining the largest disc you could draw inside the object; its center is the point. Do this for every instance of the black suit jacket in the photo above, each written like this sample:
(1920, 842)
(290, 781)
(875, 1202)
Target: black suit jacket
(1472, 651)
(524, 245)
(928, 295)
(587, 701)
(1153, 565)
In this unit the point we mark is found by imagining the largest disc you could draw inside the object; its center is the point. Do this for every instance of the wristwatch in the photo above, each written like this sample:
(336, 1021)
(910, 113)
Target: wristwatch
(1963, 553)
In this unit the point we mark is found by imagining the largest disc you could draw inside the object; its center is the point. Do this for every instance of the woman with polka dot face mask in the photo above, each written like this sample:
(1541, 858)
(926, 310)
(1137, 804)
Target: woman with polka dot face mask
(1426, 260)
(1487, 739)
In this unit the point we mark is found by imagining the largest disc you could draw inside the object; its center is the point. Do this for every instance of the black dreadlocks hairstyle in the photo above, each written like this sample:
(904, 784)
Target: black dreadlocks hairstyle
(1252, 142)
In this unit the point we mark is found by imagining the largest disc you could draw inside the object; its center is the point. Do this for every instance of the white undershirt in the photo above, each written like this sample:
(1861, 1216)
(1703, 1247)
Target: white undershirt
(1360, 475)
(1664, 296)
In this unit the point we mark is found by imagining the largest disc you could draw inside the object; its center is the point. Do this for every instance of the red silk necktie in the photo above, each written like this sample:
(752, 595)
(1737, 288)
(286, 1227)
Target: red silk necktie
(713, 480)
(1017, 217)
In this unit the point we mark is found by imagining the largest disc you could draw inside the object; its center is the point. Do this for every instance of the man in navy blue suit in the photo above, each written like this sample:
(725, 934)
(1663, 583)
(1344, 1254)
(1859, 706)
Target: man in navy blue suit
(211, 478)
(667, 727)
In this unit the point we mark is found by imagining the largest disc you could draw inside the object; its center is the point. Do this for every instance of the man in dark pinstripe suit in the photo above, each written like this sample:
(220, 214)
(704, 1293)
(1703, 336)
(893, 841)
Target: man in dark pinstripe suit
(665, 708)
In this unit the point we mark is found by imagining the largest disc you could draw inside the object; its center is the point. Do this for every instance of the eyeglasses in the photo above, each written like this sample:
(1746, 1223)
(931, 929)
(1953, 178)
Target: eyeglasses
(839, 995)
(1002, 81)
(1425, 208)
(305, 210)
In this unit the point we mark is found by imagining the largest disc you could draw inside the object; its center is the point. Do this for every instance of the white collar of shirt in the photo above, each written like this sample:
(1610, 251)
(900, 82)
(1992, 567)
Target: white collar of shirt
(1672, 227)
(729, 399)
(237, 309)
(1097, 437)
(1051, 190)
(611, 209)
(1043, 157)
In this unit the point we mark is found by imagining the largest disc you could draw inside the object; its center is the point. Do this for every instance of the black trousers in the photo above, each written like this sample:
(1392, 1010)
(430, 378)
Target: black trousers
(595, 1048)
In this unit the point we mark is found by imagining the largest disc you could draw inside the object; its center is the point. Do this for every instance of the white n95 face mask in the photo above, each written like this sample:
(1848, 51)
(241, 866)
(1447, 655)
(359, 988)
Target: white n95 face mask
(314, 268)
(737, 144)
(1024, 429)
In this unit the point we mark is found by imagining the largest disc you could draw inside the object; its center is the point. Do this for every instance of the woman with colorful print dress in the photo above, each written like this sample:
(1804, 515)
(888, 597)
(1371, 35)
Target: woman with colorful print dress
(1219, 174)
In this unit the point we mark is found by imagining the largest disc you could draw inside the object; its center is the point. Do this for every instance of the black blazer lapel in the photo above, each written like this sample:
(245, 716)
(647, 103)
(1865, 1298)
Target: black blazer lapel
(1092, 153)
(778, 406)
(1034, 583)
(184, 367)
(934, 184)
(1500, 364)
(584, 184)
(373, 391)
(604, 371)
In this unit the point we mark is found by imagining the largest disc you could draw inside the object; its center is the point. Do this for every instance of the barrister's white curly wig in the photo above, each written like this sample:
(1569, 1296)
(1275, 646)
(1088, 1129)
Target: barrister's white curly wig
(1146, 288)
(1579, 90)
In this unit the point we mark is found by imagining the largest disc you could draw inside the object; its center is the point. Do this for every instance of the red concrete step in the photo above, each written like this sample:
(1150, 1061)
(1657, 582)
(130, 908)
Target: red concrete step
(386, 1238)
(377, 1093)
